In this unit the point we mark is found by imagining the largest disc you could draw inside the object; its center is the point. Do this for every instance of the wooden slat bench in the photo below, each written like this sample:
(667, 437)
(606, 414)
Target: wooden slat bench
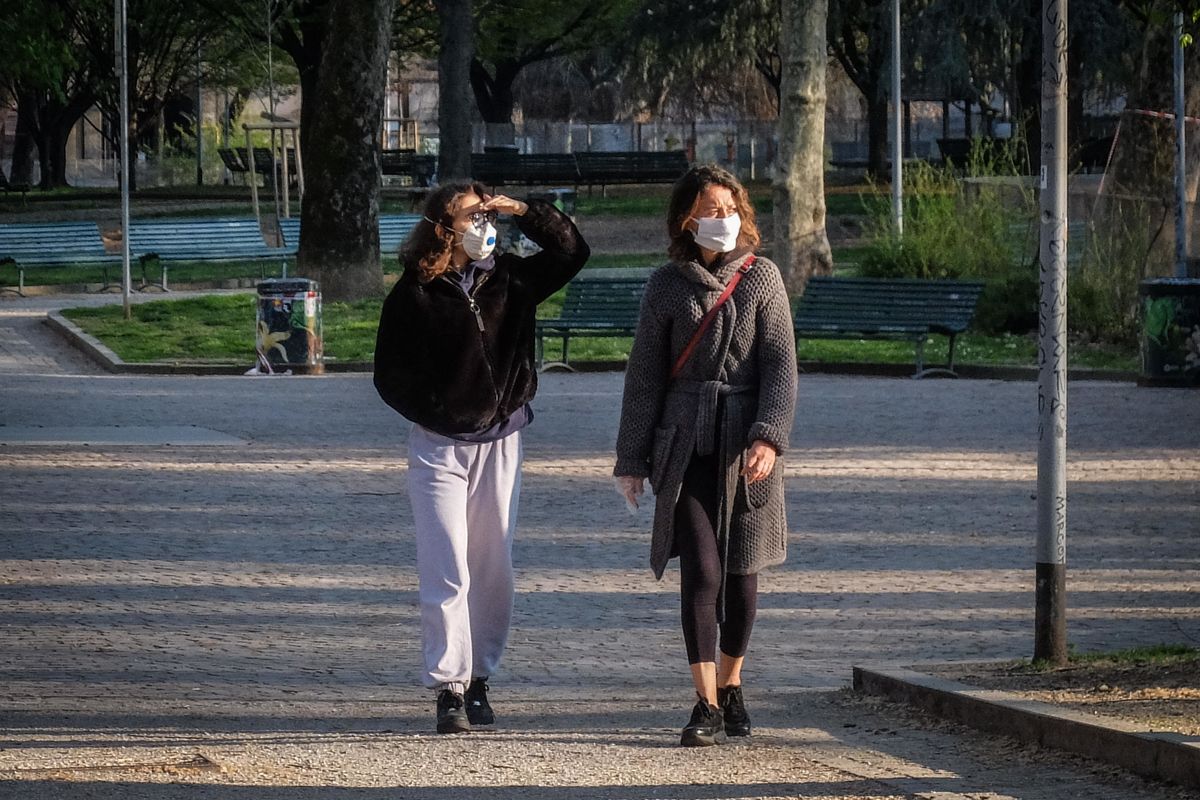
(593, 307)
(878, 308)
(52, 244)
(200, 239)
(604, 169)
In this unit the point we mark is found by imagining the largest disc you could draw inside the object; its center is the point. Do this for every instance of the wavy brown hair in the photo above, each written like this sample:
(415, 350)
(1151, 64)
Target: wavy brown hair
(430, 244)
(684, 195)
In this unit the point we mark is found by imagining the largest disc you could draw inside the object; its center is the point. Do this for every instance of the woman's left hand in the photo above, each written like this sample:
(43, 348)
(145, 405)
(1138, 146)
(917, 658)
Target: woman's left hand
(505, 205)
(760, 460)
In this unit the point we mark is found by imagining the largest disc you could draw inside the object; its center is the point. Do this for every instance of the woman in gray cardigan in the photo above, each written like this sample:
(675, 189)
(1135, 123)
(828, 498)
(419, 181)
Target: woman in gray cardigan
(708, 431)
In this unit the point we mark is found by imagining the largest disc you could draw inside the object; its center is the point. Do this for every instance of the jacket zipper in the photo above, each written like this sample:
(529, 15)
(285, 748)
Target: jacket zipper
(474, 306)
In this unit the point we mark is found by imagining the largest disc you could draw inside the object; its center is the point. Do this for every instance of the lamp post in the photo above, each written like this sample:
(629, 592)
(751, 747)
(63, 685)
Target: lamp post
(1050, 618)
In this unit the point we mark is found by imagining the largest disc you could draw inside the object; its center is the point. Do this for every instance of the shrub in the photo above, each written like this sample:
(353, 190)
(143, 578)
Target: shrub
(959, 229)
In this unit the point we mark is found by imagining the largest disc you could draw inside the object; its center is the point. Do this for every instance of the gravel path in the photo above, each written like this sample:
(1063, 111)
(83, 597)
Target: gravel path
(238, 620)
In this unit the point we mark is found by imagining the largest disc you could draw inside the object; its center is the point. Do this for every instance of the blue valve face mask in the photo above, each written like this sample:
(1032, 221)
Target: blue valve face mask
(479, 242)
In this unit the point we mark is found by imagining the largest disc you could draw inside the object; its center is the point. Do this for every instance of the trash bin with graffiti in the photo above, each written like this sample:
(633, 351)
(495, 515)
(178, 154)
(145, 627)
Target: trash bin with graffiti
(288, 326)
(1170, 331)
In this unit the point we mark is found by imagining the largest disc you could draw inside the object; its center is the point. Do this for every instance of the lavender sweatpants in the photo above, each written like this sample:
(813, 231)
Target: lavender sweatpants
(464, 502)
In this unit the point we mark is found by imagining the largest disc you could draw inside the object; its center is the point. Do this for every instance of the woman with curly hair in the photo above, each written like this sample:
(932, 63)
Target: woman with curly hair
(455, 355)
(710, 393)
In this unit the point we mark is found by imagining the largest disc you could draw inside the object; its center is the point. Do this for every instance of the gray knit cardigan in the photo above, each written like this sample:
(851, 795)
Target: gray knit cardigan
(738, 386)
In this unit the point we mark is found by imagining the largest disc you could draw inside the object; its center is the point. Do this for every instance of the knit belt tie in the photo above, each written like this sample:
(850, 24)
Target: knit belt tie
(707, 422)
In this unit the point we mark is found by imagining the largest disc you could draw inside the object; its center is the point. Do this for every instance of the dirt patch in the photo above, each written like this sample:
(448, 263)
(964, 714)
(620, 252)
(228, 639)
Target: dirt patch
(1163, 698)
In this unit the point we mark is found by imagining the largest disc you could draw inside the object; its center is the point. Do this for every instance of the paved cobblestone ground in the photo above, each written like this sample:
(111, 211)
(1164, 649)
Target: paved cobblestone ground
(238, 621)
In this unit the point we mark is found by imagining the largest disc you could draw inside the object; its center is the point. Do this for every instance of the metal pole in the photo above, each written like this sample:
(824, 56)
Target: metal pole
(1050, 638)
(897, 127)
(123, 76)
(1181, 200)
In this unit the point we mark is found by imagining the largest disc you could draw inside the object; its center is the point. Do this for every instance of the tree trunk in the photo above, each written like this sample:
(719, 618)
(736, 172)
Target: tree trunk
(878, 73)
(802, 246)
(878, 157)
(23, 148)
(494, 97)
(304, 42)
(1027, 109)
(54, 120)
(454, 89)
(339, 240)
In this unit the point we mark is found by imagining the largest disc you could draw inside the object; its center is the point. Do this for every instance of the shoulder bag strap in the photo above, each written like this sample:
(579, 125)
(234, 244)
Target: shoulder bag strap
(707, 321)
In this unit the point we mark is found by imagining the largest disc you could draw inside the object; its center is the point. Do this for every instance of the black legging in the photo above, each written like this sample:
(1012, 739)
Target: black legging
(700, 571)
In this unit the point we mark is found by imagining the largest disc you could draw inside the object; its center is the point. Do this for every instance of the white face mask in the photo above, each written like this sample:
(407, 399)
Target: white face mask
(718, 234)
(479, 242)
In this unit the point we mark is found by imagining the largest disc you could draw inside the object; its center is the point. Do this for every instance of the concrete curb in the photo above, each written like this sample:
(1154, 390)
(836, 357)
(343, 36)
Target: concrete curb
(89, 345)
(1163, 756)
(96, 350)
(110, 361)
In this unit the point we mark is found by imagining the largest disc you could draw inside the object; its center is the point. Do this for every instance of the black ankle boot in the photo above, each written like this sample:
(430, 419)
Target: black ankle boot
(479, 711)
(705, 728)
(451, 716)
(733, 711)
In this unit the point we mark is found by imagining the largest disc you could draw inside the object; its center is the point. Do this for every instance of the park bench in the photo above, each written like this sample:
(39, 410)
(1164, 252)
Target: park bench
(199, 239)
(406, 164)
(8, 188)
(393, 230)
(52, 244)
(529, 169)
(593, 307)
(886, 308)
(604, 169)
(263, 160)
(233, 162)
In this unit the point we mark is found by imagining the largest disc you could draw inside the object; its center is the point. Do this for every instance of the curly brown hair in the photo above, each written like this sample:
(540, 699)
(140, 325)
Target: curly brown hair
(684, 195)
(431, 242)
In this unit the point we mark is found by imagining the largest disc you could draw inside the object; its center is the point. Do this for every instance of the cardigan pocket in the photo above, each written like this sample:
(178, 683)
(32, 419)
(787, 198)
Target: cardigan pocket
(660, 455)
(759, 493)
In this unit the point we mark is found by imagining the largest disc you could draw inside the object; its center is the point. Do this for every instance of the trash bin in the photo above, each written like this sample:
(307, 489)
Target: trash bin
(288, 324)
(1170, 331)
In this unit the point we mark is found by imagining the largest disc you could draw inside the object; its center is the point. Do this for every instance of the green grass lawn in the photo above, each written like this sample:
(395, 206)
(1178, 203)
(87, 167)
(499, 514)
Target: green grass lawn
(221, 329)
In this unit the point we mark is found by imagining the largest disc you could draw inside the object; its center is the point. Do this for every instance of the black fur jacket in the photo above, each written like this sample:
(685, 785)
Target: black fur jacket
(457, 363)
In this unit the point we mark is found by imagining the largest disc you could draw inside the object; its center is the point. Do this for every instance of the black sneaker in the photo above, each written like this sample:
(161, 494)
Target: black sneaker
(478, 709)
(733, 711)
(705, 728)
(451, 716)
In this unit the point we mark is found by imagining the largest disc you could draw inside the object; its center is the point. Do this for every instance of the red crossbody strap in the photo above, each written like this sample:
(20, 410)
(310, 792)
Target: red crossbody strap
(707, 321)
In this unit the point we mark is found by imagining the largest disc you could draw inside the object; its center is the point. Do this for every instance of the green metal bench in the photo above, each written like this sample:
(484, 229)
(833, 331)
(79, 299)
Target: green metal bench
(530, 169)
(200, 239)
(604, 169)
(417, 167)
(8, 187)
(593, 307)
(878, 308)
(52, 244)
(393, 230)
